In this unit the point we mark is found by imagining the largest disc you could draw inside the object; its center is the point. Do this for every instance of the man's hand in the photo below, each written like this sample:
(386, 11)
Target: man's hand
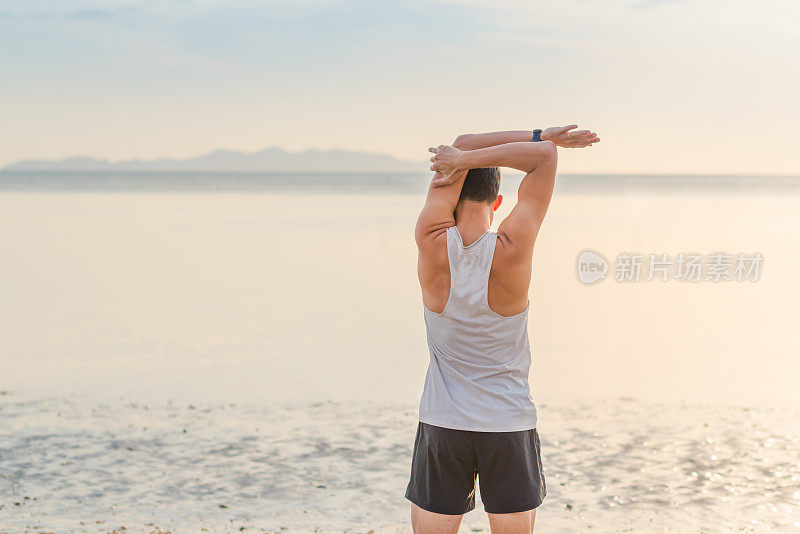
(563, 136)
(448, 162)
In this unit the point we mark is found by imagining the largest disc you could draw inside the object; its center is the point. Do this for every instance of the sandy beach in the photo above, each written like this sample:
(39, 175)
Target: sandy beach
(619, 465)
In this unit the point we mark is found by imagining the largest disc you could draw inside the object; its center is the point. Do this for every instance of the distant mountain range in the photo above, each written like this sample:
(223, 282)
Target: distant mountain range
(268, 160)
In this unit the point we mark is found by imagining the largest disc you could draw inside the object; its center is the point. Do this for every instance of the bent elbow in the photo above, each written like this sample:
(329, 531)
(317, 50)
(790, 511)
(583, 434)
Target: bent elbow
(540, 153)
(550, 152)
(420, 232)
(423, 229)
(461, 141)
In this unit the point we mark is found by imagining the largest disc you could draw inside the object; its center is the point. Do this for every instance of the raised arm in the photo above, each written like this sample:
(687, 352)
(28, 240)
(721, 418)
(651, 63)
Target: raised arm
(485, 140)
(451, 166)
(523, 156)
(563, 136)
(513, 148)
(438, 213)
(538, 160)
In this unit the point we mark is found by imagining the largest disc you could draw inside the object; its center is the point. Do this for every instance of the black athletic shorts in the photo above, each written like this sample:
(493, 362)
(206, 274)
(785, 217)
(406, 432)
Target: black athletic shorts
(446, 462)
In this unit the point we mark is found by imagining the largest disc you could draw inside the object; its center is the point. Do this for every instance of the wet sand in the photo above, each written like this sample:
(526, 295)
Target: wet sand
(621, 465)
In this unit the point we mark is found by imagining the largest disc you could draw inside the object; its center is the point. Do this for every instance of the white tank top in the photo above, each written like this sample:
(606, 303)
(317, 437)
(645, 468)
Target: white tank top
(478, 372)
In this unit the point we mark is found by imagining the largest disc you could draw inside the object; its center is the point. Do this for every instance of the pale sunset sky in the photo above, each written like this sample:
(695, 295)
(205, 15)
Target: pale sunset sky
(670, 86)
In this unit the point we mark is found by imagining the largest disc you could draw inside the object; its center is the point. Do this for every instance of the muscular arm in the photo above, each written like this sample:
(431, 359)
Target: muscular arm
(538, 160)
(523, 156)
(436, 217)
(484, 140)
(563, 136)
(438, 213)
(445, 189)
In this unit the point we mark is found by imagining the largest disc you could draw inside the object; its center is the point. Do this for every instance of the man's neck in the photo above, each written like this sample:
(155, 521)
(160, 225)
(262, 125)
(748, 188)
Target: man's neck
(472, 220)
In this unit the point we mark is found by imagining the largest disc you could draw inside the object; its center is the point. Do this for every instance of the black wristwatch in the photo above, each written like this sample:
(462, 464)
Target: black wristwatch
(537, 136)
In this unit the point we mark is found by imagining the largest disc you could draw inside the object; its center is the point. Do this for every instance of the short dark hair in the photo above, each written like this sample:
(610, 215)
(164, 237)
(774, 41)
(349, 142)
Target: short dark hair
(481, 185)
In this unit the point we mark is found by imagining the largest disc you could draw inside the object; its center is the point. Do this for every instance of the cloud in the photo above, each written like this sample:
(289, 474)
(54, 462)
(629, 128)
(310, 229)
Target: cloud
(72, 11)
(99, 15)
(107, 9)
(651, 4)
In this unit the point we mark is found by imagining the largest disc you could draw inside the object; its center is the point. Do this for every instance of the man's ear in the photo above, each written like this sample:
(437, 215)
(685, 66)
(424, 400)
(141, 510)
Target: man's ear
(497, 202)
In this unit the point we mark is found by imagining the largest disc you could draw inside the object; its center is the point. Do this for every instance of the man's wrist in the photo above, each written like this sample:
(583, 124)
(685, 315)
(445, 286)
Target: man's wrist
(546, 135)
(464, 160)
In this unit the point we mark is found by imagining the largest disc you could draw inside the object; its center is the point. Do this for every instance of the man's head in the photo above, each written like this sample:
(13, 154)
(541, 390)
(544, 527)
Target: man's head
(481, 186)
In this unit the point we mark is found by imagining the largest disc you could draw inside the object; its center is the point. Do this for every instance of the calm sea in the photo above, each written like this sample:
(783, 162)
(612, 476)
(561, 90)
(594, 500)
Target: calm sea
(304, 286)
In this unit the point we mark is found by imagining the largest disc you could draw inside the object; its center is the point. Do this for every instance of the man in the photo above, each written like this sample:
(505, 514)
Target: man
(477, 416)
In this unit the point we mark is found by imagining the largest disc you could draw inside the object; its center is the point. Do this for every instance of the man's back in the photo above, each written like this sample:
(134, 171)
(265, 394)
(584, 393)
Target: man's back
(509, 278)
(478, 376)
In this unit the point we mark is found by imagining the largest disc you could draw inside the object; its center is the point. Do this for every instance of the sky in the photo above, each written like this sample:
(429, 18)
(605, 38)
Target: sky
(670, 86)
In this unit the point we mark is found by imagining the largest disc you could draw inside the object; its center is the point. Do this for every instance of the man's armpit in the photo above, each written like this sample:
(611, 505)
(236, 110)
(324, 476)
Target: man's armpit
(521, 227)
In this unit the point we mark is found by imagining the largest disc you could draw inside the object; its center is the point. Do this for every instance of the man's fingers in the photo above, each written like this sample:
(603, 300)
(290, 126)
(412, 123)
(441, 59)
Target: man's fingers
(433, 150)
(588, 142)
(565, 129)
(578, 138)
(441, 179)
(582, 142)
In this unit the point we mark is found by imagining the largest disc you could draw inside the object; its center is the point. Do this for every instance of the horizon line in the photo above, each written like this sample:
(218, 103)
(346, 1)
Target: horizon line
(5, 170)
